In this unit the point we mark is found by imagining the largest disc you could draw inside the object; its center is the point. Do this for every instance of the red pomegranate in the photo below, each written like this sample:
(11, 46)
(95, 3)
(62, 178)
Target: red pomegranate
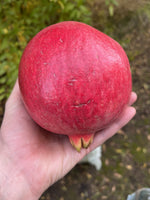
(74, 80)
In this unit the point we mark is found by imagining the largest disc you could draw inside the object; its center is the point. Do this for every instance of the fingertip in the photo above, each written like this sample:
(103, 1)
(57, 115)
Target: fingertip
(133, 111)
(126, 116)
(133, 98)
(14, 98)
(134, 95)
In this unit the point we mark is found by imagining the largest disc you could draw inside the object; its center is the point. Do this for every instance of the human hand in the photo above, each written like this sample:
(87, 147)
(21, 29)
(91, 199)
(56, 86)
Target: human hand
(31, 159)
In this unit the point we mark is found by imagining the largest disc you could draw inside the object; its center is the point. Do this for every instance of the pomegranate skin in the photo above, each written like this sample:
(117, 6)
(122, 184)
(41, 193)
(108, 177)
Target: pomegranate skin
(74, 79)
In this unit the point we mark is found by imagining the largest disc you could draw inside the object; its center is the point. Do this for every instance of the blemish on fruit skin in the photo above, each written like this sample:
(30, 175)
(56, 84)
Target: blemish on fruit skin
(78, 105)
(61, 40)
(72, 81)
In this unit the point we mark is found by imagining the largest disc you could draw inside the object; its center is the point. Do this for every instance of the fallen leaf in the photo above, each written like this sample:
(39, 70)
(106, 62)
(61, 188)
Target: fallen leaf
(148, 137)
(88, 175)
(106, 162)
(104, 197)
(117, 175)
(129, 167)
(138, 149)
(120, 151)
(113, 189)
(64, 188)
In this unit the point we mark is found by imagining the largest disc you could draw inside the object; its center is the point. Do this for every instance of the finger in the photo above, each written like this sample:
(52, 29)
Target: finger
(14, 105)
(15, 94)
(133, 98)
(14, 101)
(104, 135)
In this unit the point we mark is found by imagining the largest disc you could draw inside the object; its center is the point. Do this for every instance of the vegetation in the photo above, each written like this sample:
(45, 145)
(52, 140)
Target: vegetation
(21, 20)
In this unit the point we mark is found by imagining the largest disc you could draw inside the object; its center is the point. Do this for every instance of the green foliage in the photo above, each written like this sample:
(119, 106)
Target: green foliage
(111, 5)
(20, 21)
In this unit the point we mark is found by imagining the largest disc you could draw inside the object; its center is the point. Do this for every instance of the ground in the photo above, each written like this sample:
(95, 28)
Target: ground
(125, 157)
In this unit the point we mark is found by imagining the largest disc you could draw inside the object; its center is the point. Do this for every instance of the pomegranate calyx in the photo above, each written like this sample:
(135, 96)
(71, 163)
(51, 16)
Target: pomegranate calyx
(79, 141)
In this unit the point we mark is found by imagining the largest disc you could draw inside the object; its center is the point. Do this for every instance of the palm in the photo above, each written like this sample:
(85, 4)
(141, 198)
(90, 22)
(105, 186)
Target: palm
(34, 150)
(44, 157)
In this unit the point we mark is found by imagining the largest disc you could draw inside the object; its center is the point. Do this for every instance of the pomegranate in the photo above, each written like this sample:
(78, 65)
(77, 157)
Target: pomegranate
(74, 80)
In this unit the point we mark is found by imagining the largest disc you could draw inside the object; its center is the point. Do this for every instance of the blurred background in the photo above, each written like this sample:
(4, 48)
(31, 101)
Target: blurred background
(126, 156)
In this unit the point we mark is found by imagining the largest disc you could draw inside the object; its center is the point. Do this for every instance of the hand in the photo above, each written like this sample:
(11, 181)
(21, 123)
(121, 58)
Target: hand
(36, 159)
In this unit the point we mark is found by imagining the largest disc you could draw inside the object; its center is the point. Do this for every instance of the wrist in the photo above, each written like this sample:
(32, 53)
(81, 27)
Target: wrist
(12, 183)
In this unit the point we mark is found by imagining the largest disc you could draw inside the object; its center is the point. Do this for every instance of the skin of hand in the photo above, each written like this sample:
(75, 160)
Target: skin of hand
(31, 159)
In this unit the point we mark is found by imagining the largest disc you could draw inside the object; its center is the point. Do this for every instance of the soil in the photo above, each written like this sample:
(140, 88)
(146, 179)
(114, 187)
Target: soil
(125, 157)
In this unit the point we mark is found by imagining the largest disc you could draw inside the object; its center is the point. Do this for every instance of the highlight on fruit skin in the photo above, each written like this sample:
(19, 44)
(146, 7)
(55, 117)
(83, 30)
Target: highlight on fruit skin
(74, 80)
